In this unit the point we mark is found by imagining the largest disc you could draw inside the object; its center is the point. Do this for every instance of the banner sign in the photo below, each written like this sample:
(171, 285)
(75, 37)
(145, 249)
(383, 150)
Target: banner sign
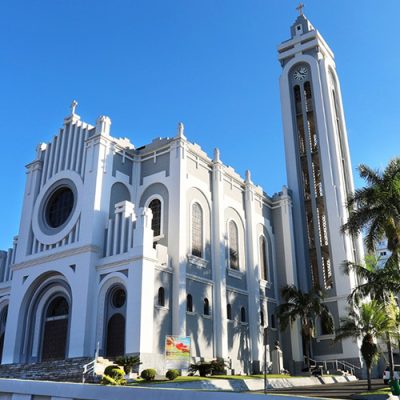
(177, 352)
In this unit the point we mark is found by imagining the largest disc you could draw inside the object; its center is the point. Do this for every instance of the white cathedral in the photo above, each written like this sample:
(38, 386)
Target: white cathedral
(120, 246)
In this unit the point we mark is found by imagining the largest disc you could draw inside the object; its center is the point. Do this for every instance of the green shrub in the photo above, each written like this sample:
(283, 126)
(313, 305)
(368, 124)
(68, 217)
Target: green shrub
(113, 375)
(128, 362)
(208, 367)
(148, 374)
(172, 374)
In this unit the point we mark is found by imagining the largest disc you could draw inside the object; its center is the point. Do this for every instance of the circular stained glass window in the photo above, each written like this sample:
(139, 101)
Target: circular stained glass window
(118, 298)
(59, 207)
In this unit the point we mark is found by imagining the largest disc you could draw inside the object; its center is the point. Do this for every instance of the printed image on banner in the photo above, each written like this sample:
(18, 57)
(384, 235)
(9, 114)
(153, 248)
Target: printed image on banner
(177, 352)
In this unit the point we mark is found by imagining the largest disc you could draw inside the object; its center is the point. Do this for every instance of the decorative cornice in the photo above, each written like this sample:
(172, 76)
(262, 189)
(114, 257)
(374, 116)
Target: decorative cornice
(200, 279)
(56, 256)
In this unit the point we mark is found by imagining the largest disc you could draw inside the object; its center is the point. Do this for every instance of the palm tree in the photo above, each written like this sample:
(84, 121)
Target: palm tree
(375, 209)
(379, 284)
(306, 306)
(369, 321)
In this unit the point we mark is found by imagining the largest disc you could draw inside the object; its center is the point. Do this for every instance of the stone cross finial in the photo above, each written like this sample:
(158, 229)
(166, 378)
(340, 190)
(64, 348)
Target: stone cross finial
(181, 129)
(73, 106)
(216, 155)
(248, 176)
(300, 8)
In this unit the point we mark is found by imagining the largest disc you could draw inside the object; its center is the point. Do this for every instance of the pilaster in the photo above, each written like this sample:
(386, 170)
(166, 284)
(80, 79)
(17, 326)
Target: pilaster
(253, 273)
(219, 260)
(178, 247)
(140, 299)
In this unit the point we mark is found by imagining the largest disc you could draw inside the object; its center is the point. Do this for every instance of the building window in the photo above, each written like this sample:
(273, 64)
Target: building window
(233, 245)
(326, 324)
(155, 207)
(197, 230)
(273, 324)
(263, 258)
(242, 314)
(189, 303)
(118, 297)
(229, 312)
(262, 318)
(161, 297)
(59, 207)
(206, 307)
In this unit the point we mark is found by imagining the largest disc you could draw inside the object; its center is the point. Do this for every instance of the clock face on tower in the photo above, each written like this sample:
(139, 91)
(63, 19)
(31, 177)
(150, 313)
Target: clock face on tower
(300, 73)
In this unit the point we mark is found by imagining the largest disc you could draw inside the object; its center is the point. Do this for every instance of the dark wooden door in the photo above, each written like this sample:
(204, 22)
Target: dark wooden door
(55, 339)
(116, 336)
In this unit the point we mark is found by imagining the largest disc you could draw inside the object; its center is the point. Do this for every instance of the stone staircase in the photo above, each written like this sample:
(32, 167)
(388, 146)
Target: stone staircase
(69, 370)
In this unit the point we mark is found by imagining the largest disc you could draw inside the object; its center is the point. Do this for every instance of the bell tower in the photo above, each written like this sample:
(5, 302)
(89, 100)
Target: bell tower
(318, 172)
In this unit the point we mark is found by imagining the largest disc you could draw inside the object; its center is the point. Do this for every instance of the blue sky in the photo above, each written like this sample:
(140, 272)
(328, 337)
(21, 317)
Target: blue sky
(209, 63)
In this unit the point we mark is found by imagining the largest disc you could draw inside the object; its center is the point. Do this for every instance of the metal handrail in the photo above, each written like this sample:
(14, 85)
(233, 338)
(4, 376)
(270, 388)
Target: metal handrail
(90, 367)
(324, 364)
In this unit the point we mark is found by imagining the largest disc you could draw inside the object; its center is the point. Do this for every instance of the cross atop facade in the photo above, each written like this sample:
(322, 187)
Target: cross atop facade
(300, 8)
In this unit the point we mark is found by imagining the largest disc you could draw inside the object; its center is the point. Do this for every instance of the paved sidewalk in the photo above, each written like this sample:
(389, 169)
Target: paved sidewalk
(331, 391)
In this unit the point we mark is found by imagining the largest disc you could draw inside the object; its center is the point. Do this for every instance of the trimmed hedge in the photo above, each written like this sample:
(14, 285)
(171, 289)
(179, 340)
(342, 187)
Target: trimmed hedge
(113, 375)
(172, 374)
(148, 374)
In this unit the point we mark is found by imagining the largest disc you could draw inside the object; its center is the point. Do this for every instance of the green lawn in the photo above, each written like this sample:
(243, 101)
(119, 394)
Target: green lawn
(141, 381)
(385, 391)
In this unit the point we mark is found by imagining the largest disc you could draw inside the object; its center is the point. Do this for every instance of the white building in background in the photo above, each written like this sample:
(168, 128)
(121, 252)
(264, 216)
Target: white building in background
(121, 246)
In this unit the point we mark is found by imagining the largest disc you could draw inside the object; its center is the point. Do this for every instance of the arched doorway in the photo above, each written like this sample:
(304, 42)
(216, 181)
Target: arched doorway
(55, 330)
(115, 328)
(3, 320)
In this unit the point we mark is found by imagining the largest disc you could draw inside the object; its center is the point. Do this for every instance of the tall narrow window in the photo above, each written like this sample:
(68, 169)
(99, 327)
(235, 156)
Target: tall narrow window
(242, 314)
(273, 323)
(263, 258)
(189, 303)
(197, 230)
(206, 308)
(262, 318)
(161, 297)
(229, 312)
(155, 207)
(233, 246)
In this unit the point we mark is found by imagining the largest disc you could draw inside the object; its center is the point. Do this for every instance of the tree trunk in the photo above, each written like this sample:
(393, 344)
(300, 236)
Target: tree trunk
(369, 378)
(307, 351)
(390, 355)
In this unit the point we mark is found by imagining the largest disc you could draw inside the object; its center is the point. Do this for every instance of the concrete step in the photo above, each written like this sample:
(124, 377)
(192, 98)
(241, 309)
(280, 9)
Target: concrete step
(69, 370)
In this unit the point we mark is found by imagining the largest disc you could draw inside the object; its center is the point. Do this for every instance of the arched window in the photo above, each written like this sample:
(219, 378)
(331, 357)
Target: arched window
(197, 230)
(263, 258)
(262, 318)
(161, 297)
(206, 307)
(233, 245)
(229, 312)
(189, 303)
(57, 308)
(242, 314)
(155, 207)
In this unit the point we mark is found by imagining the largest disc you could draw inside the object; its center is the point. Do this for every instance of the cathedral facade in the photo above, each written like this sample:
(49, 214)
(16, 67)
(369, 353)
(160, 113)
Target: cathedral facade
(120, 247)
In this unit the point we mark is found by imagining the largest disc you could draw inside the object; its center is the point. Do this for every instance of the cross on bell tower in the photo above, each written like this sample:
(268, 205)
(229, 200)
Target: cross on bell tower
(300, 8)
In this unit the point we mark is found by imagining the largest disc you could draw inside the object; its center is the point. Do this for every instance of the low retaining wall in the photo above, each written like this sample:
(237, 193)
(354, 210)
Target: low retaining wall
(12, 389)
(245, 385)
